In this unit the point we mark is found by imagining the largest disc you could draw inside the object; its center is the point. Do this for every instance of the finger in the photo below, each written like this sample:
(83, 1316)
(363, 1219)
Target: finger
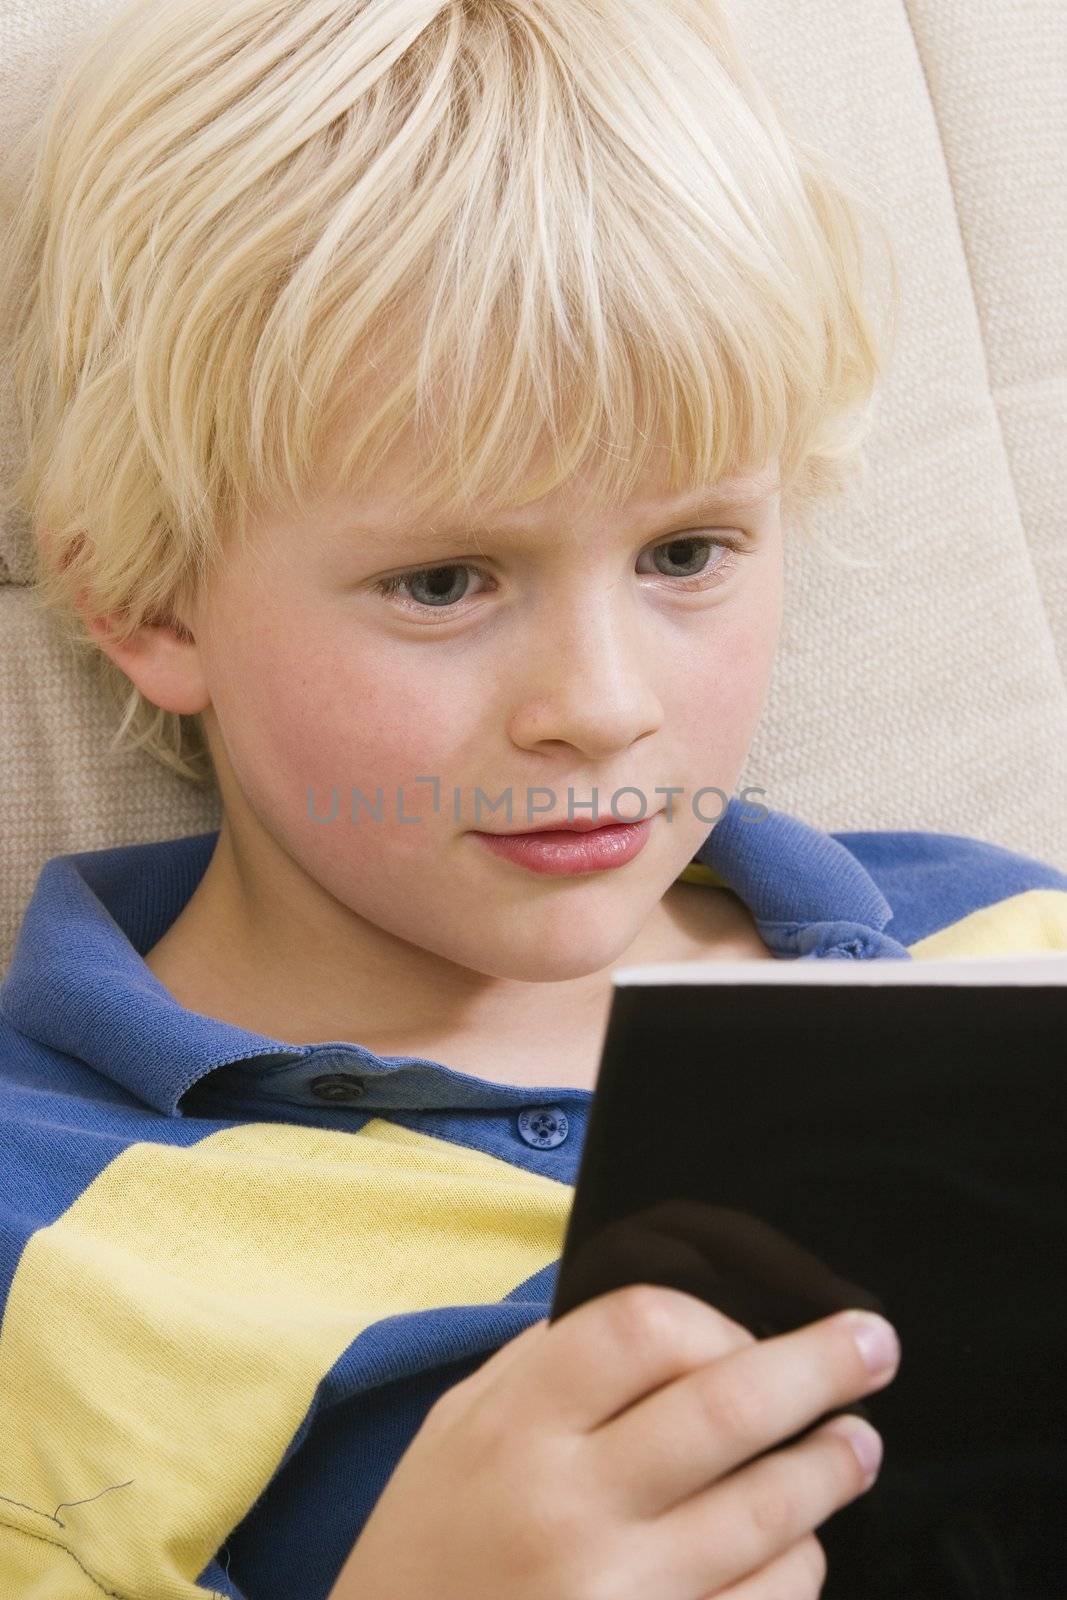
(609, 1352)
(514, 1349)
(738, 1526)
(799, 1572)
(709, 1421)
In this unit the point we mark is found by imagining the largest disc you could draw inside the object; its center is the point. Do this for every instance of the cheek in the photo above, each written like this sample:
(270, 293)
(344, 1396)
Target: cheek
(327, 718)
(730, 670)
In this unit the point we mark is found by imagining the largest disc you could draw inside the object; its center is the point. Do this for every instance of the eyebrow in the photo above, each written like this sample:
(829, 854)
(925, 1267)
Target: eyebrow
(431, 534)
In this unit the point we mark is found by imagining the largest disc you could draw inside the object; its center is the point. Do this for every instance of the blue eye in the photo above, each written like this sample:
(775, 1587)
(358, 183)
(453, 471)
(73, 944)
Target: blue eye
(442, 589)
(681, 553)
(441, 592)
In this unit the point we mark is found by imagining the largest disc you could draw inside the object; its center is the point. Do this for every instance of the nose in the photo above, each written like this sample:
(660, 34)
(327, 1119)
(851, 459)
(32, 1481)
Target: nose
(586, 680)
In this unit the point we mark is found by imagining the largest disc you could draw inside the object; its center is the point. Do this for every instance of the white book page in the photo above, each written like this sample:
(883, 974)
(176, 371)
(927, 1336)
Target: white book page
(1046, 967)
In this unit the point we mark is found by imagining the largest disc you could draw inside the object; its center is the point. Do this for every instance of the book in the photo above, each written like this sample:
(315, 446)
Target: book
(785, 1140)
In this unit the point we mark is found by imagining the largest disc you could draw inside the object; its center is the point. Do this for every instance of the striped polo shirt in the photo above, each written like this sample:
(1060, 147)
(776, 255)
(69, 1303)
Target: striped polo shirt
(235, 1274)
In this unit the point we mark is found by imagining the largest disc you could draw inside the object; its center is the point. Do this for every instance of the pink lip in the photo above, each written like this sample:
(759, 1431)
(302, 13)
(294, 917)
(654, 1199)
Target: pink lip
(576, 825)
(566, 852)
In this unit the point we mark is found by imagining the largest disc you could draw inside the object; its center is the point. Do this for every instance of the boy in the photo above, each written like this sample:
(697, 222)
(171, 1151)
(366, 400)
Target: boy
(427, 421)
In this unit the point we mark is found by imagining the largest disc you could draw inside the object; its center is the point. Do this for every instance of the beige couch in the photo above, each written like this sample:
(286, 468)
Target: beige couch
(924, 685)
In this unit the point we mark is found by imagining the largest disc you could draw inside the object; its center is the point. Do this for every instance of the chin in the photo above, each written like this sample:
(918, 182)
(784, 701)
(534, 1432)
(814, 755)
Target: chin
(555, 966)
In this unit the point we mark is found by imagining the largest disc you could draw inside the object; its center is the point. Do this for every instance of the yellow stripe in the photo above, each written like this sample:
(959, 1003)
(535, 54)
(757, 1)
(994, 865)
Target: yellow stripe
(168, 1332)
(32, 1568)
(1024, 924)
(697, 872)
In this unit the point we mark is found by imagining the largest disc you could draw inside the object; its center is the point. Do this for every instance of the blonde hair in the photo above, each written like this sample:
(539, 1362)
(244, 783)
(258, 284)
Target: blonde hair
(577, 222)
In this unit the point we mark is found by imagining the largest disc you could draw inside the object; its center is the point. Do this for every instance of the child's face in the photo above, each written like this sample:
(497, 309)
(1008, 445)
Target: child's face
(562, 655)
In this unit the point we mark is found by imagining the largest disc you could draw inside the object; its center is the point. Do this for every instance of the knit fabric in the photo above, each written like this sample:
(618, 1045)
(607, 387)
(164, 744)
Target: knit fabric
(235, 1274)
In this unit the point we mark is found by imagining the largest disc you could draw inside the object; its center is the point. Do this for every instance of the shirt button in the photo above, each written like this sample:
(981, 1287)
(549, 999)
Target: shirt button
(544, 1127)
(338, 1086)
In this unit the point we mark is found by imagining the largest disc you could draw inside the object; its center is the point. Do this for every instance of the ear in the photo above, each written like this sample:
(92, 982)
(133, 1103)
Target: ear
(160, 657)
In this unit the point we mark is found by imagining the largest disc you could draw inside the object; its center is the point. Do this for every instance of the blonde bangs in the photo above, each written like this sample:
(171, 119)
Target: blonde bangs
(546, 236)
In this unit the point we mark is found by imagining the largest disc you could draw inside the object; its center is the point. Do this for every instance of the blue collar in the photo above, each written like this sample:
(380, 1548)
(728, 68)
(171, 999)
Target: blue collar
(78, 982)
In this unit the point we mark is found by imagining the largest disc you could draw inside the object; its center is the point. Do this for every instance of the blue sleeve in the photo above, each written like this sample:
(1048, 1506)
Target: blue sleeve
(935, 880)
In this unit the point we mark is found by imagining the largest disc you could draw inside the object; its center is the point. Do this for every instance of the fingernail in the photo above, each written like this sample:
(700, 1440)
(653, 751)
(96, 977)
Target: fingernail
(876, 1340)
(866, 1442)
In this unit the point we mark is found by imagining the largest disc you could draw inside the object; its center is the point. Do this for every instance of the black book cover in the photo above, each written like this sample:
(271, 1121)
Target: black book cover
(787, 1141)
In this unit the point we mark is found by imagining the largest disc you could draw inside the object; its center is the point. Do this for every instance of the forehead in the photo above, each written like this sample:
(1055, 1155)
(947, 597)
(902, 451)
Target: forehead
(380, 514)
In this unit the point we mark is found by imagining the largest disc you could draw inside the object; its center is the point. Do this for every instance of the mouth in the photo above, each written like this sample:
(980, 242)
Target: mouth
(572, 825)
(570, 850)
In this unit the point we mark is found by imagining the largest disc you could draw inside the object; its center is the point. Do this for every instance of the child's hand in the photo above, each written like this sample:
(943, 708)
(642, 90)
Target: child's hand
(602, 1457)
